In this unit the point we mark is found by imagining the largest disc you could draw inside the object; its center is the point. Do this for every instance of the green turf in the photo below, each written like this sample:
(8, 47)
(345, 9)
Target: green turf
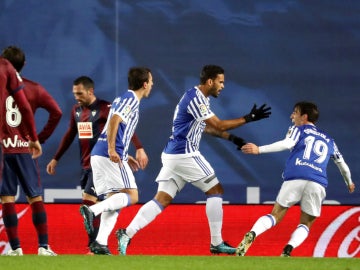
(74, 262)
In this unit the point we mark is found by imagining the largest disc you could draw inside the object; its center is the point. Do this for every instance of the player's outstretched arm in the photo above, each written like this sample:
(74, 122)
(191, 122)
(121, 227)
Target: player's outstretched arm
(250, 148)
(240, 142)
(346, 174)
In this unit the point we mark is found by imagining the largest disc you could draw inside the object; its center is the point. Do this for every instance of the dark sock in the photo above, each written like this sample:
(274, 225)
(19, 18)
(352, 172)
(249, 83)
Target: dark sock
(11, 224)
(40, 222)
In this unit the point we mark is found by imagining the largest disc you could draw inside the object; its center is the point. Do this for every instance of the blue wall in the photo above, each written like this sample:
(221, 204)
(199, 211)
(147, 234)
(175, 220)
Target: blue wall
(274, 52)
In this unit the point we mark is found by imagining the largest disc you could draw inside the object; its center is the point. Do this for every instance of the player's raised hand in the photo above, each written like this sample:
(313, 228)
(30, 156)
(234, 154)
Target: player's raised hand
(258, 113)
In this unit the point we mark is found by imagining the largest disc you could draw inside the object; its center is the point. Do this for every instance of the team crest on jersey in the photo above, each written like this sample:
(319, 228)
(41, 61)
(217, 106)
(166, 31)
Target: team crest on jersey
(203, 108)
(93, 113)
(85, 130)
(127, 110)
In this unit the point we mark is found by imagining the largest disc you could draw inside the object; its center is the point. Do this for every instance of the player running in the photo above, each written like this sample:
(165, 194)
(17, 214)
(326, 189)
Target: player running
(88, 118)
(305, 178)
(111, 163)
(183, 163)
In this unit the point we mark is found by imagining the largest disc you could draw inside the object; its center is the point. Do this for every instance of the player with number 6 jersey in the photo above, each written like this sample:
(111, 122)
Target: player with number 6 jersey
(305, 178)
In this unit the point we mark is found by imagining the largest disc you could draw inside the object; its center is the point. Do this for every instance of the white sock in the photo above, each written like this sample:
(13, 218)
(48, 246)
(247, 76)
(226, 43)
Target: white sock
(214, 213)
(108, 221)
(263, 224)
(146, 214)
(299, 235)
(115, 202)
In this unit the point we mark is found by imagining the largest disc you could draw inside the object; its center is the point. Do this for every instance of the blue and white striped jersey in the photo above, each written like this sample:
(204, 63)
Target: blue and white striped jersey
(310, 155)
(188, 123)
(127, 107)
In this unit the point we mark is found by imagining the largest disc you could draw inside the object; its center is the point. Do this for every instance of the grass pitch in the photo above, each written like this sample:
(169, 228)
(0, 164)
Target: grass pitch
(133, 262)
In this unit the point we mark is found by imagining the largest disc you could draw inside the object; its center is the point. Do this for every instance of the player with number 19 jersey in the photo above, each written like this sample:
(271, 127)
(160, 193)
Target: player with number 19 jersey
(188, 123)
(127, 107)
(310, 155)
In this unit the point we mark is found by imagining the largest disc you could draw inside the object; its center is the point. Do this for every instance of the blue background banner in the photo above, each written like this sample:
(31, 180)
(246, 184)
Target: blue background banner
(274, 52)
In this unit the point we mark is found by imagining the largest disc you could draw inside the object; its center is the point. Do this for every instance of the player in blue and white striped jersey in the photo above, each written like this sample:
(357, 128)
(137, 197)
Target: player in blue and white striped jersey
(304, 175)
(183, 163)
(110, 162)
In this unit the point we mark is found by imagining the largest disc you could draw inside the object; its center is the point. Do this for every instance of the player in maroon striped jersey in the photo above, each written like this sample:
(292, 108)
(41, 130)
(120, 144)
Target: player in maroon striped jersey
(88, 118)
(11, 85)
(19, 167)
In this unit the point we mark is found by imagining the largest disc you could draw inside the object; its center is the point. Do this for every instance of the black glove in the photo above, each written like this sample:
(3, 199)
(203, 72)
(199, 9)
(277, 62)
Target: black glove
(257, 114)
(237, 140)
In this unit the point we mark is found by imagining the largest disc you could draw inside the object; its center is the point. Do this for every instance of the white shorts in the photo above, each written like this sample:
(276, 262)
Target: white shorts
(175, 173)
(109, 177)
(310, 195)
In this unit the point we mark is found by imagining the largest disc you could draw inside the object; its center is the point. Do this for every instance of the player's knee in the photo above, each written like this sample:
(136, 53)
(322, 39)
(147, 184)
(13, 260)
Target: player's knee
(163, 198)
(215, 190)
(134, 198)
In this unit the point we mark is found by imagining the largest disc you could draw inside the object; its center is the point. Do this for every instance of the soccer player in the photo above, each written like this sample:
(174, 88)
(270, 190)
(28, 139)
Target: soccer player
(19, 167)
(183, 163)
(305, 178)
(88, 118)
(11, 86)
(113, 177)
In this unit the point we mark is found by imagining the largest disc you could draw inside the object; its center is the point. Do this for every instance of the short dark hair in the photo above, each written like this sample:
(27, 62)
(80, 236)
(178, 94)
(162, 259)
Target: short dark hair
(86, 81)
(210, 72)
(15, 56)
(309, 108)
(137, 76)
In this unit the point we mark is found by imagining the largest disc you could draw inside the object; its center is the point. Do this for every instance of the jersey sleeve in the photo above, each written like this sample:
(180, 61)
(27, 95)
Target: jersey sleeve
(291, 138)
(123, 107)
(48, 103)
(136, 142)
(68, 137)
(27, 116)
(342, 165)
(199, 108)
(15, 88)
